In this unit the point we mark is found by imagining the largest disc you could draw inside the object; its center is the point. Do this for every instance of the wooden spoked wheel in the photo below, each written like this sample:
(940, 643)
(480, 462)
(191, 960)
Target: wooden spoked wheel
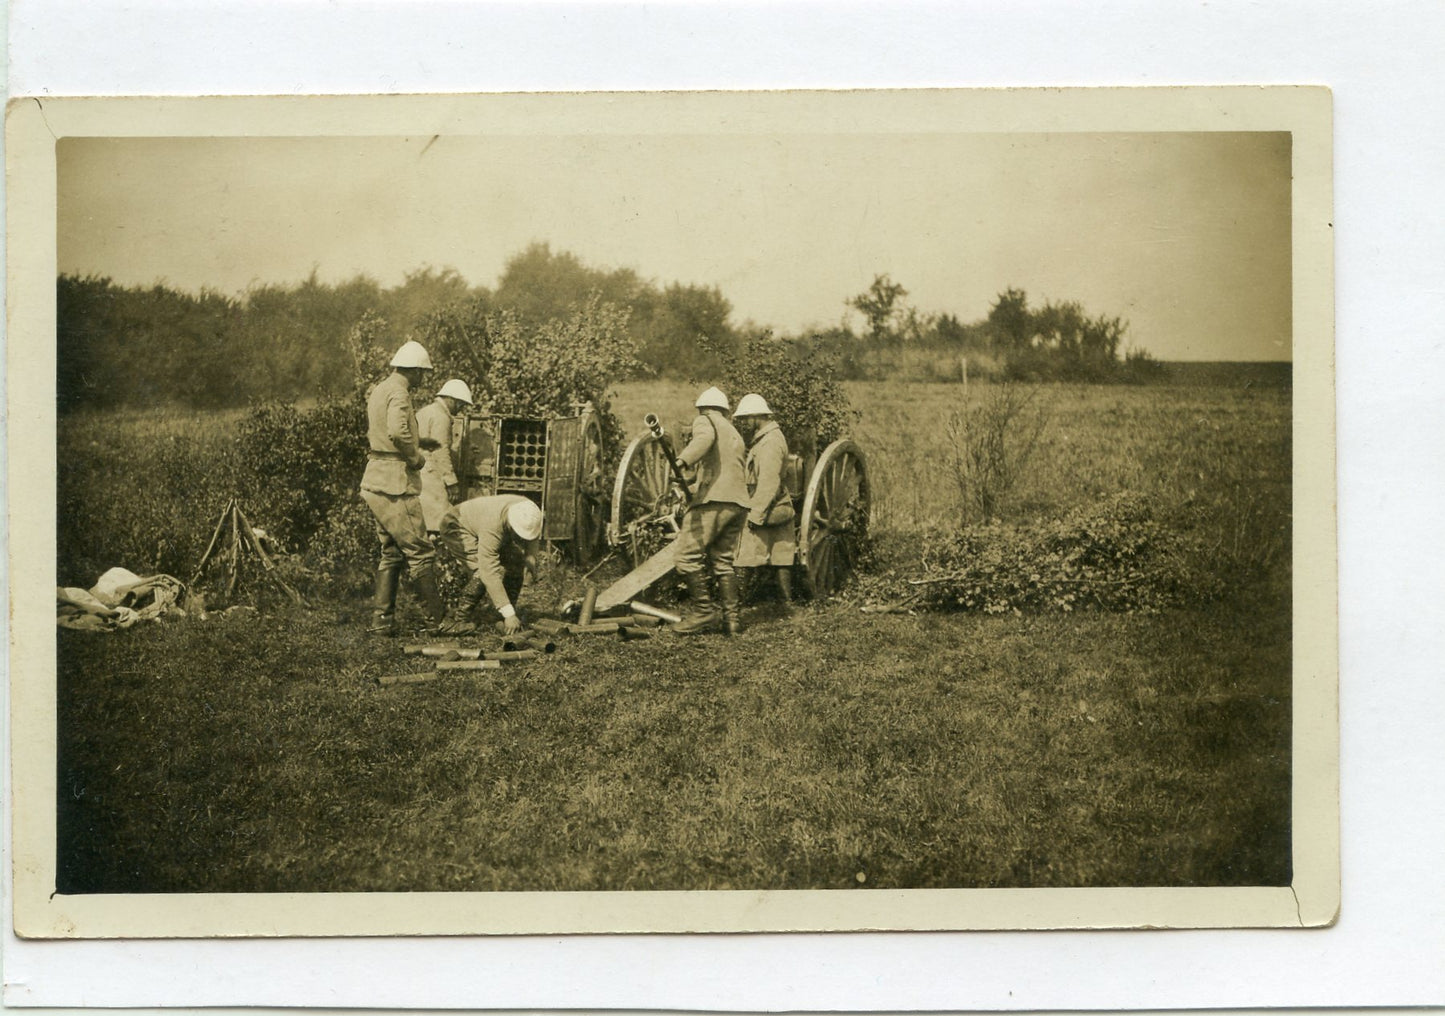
(645, 504)
(590, 534)
(833, 533)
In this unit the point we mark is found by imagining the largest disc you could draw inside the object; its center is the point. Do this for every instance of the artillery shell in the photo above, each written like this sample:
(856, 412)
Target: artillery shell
(513, 655)
(549, 627)
(638, 607)
(420, 648)
(596, 628)
(589, 604)
(639, 621)
(542, 645)
(634, 634)
(469, 665)
(443, 652)
(391, 679)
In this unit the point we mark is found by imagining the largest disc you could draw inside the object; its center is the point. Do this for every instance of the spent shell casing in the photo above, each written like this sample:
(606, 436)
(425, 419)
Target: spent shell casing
(391, 679)
(512, 655)
(419, 648)
(638, 607)
(444, 665)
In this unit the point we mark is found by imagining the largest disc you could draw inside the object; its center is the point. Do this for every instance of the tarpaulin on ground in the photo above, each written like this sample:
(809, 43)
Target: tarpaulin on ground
(118, 599)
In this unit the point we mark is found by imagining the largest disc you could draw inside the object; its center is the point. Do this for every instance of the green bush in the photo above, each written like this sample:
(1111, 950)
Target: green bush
(801, 387)
(302, 468)
(1116, 554)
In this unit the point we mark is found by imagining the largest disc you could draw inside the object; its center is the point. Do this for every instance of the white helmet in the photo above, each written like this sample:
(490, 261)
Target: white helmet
(753, 404)
(525, 519)
(457, 389)
(412, 354)
(712, 398)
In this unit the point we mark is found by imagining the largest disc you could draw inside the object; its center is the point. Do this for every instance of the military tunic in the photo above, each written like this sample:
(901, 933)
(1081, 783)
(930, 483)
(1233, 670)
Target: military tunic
(392, 481)
(713, 523)
(476, 533)
(434, 422)
(760, 543)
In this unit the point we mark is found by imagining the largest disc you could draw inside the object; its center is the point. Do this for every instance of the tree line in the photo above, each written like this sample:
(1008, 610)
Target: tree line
(153, 345)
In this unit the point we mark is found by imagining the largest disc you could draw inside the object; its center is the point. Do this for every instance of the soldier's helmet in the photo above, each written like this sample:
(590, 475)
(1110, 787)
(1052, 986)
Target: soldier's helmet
(525, 519)
(713, 398)
(752, 404)
(412, 354)
(457, 389)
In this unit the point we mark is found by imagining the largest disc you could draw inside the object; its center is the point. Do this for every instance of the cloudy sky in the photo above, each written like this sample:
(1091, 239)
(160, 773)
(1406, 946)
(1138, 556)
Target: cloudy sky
(1186, 235)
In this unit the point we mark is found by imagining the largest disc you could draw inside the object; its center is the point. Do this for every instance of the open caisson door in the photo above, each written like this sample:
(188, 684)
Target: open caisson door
(574, 495)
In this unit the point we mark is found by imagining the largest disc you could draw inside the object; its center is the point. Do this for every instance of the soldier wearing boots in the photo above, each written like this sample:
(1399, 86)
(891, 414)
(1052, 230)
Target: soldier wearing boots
(496, 538)
(714, 519)
(770, 540)
(391, 488)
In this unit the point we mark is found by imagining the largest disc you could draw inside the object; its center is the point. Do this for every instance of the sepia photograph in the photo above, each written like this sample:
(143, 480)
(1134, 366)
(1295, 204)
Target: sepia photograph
(581, 504)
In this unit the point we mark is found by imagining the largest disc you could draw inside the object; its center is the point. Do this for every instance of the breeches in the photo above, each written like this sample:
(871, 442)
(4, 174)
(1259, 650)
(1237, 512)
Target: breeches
(401, 531)
(709, 537)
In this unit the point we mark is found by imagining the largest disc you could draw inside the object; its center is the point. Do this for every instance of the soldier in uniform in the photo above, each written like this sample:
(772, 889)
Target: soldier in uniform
(439, 476)
(496, 537)
(770, 539)
(391, 488)
(714, 519)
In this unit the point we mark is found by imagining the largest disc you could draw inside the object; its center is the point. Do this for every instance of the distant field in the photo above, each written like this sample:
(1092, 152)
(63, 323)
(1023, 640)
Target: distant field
(1175, 441)
(1250, 374)
(937, 750)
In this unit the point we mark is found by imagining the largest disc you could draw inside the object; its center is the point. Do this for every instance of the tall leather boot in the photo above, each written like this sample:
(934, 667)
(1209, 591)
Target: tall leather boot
(459, 621)
(383, 602)
(785, 587)
(702, 615)
(432, 605)
(732, 615)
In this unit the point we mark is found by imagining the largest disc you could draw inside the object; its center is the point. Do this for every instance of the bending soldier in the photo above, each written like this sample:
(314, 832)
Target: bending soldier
(391, 487)
(438, 477)
(714, 520)
(770, 537)
(496, 538)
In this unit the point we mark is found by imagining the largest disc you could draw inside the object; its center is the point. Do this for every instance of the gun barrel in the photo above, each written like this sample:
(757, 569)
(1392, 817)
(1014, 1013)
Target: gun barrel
(654, 425)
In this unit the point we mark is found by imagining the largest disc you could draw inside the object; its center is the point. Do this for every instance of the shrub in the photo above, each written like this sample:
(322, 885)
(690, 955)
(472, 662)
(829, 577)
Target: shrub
(302, 468)
(1116, 554)
(1140, 367)
(991, 440)
(801, 388)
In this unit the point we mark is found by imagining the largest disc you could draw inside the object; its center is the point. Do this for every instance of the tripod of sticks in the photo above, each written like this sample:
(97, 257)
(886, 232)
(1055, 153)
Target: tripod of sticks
(230, 544)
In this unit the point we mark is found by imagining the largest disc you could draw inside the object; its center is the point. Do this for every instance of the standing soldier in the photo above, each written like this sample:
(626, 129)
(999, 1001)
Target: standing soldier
(391, 487)
(770, 537)
(496, 538)
(439, 477)
(714, 520)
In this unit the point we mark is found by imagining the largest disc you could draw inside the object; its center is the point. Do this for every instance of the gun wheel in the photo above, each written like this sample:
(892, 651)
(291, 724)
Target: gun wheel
(591, 527)
(833, 535)
(643, 501)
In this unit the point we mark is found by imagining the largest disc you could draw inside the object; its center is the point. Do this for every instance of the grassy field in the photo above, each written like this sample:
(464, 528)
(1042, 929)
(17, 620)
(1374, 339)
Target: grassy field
(829, 749)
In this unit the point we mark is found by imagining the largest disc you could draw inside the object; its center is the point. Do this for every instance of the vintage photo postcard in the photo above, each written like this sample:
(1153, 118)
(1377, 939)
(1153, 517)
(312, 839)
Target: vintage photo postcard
(672, 512)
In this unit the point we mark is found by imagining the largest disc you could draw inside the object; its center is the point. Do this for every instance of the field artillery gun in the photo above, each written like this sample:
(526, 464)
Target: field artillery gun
(558, 462)
(832, 513)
